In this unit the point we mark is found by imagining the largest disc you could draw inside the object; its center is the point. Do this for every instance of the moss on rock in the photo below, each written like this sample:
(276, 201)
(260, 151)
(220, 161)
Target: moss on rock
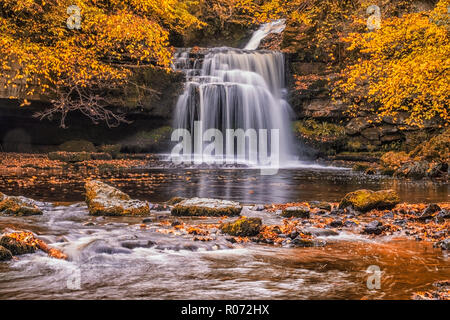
(15, 246)
(242, 227)
(364, 200)
(296, 212)
(206, 207)
(5, 254)
(18, 206)
(104, 200)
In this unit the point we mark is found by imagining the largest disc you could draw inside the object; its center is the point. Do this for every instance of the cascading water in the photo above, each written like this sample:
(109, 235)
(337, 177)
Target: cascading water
(229, 88)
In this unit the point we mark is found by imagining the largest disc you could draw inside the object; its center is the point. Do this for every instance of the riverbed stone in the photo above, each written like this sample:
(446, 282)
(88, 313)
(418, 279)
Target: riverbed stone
(242, 227)
(5, 254)
(18, 206)
(365, 200)
(15, 246)
(429, 211)
(105, 200)
(296, 212)
(206, 207)
(374, 227)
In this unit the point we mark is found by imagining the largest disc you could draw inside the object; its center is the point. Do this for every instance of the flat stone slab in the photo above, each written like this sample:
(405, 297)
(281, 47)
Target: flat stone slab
(206, 207)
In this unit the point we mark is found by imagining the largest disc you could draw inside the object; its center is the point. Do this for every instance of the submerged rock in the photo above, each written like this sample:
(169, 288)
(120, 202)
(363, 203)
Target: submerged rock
(206, 207)
(297, 212)
(5, 254)
(103, 199)
(374, 227)
(365, 200)
(18, 206)
(242, 227)
(443, 244)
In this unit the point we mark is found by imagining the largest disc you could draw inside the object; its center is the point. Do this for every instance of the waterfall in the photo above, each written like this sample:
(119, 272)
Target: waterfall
(276, 26)
(229, 88)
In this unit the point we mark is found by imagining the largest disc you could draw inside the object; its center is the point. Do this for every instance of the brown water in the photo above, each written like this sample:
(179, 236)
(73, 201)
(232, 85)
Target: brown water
(245, 185)
(176, 267)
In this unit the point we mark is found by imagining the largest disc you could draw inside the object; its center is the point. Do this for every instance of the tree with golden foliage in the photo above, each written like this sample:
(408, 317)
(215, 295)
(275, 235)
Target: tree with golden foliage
(402, 69)
(75, 68)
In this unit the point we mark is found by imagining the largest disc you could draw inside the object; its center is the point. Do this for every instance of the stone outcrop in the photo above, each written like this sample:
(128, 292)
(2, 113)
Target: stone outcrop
(206, 207)
(365, 200)
(18, 206)
(243, 227)
(104, 200)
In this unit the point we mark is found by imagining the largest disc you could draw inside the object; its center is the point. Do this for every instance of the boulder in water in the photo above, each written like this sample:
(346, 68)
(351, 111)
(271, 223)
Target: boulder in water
(365, 200)
(242, 227)
(5, 254)
(206, 207)
(297, 212)
(18, 206)
(104, 200)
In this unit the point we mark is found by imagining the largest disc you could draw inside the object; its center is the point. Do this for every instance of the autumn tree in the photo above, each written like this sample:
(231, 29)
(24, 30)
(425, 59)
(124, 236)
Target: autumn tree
(76, 68)
(401, 69)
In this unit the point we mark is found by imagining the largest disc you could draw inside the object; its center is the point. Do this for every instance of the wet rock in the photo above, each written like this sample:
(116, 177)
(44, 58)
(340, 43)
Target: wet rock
(365, 200)
(175, 223)
(103, 199)
(301, 242)
(138, 244)
(147, 220)
(242, 227)
(258, 207)
(112, 250)
(389, 215)
(317, 232)
(374, 227)
(429, 211)
(232, 240)
(206, 207)
(15, 246)
(400, 222)
(297, 212)
(349, 224)
(444, 244)
(335, 224)
(5, 254)
(442, 215)
(293, 234)
(18, 206)
(321, 205)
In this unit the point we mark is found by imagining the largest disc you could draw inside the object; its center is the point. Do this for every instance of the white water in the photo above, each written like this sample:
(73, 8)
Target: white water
(233, 88)
(264, 30)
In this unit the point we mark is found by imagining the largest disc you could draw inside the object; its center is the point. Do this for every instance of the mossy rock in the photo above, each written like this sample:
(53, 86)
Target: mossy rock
(393, 160)
(18, 206)
(105, 200)
(242, 227)
(77, 146)
(365, 200)
(206, 207)
(414, 170)
(296, 212)
(16, 247)
(5, 254)
(70, 156)
(148, 141)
